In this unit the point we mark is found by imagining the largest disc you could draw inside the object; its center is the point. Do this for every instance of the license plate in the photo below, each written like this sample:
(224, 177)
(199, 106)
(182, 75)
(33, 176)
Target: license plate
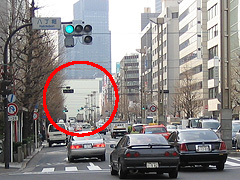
(203, 148)
(152, 165)
(88, 146)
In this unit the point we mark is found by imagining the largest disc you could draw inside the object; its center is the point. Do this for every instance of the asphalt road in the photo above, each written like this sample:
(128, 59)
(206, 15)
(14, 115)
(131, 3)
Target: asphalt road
(52, 164)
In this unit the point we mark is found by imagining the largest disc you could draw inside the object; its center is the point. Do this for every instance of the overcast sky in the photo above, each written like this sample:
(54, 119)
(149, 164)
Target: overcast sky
(124, 21)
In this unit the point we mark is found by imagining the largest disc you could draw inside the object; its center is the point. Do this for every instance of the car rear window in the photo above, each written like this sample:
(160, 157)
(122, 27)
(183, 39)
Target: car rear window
(53, 129)
(148, 139)
(91, 137)
(211, 125)
(155, 130)
(198, 135)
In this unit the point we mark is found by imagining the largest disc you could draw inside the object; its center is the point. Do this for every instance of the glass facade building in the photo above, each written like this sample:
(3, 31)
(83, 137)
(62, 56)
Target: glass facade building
(95, 13)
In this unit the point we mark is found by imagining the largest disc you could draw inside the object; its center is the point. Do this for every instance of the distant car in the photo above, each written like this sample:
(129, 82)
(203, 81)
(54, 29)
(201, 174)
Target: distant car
(156, 129)
(143, 153)
(171, 128)
(56, 136)
(86, 147)
(136, 128)
(86, 127)
(199, 147)
(235, 129)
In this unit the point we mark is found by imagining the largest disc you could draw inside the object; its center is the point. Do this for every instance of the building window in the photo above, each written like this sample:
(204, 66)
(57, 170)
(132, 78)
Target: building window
(175, 15)
(212, 52)
(213, 32)
(210, 73)
(212, 12)
(213, 93)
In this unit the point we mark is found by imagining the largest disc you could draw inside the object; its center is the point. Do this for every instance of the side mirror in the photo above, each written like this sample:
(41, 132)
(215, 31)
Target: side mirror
(113, 146)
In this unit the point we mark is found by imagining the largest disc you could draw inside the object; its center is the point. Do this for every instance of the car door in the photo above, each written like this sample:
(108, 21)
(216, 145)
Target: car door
(118, 151)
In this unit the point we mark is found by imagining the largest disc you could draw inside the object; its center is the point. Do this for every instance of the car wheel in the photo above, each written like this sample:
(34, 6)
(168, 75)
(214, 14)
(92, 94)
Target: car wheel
(50, 144)
(173, 174)
(220, 166)
(102, 157)
(113, 172)
(70, 159)
(121, 173)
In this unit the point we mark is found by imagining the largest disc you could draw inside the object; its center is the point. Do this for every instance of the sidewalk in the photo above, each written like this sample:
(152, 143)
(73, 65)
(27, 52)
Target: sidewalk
(15, 166)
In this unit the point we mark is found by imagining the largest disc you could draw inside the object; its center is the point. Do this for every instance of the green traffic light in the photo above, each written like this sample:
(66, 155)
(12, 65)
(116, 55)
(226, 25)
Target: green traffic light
(69, 29)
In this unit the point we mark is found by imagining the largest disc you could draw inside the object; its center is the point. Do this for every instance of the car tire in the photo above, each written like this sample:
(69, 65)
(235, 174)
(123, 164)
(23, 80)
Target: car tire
(121, 173)
(50, 144)
(102, 157)
(113, 172)
(220, 166)
(173, 174)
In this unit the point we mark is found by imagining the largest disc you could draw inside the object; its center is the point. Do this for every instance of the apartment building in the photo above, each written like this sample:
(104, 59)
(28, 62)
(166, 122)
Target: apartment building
(193, 51)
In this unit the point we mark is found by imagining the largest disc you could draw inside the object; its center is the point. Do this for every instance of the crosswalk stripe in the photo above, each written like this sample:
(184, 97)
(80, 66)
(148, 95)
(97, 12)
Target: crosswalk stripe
(47, 170)
(232, 163)
(71, 169)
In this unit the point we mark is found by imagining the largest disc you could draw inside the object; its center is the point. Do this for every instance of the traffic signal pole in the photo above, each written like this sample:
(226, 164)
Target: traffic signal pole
(7, 135)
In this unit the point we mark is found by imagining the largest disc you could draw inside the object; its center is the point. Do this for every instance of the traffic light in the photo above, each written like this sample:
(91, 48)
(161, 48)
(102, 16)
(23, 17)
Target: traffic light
(5, 88)
(81, 108)
(77, 28)
(65, 110)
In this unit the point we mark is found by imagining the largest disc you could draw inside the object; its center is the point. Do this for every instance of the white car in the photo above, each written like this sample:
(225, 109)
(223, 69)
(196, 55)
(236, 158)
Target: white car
(56, 136)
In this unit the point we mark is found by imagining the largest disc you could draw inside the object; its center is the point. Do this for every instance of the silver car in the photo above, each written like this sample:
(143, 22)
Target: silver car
(86, 147)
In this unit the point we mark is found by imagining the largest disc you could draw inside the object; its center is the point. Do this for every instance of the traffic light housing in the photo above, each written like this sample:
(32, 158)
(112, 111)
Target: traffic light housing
(77, 28)
(5, 88)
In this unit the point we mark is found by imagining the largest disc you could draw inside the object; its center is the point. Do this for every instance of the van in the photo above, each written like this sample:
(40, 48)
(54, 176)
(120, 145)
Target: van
(56, 136)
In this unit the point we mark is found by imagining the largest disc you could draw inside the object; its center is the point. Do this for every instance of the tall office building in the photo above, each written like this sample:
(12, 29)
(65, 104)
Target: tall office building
(158, 6)
(95, 13)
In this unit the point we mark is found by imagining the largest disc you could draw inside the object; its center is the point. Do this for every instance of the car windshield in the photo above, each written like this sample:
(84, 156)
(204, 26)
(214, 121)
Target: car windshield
(171, 127)
(211, 125)
(154, 130)
(235, 127)
(138, 128)
(148, 139)
(53, 129)
(91, 137)
(198, 135)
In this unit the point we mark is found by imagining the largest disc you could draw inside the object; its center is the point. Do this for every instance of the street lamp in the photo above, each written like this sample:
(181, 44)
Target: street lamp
(160, 117)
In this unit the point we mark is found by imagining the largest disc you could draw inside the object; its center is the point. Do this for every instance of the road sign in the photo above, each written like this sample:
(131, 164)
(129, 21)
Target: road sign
(153, 108)
(35, 116)
(11, 98)
(12, 118)
(46, 23)
(12, 109)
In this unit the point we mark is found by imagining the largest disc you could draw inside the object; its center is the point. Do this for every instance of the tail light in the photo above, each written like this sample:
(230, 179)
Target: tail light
(135, 154)
(223, 146)
(128, 155)
(166, 154)
(183, 147)
(102, 145)
(76, 146)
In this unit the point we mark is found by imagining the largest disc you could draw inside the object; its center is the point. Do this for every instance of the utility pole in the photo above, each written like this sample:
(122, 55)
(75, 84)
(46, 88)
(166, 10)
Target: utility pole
(226, 105)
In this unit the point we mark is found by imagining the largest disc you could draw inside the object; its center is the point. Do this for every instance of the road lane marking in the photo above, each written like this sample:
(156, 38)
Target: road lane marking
(92, 167)
(232, 163)
(48, 170)
(71, 169)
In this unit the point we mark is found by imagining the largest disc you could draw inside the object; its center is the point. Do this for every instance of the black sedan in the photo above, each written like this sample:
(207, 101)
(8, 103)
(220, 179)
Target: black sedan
(199, 147)
(143, 153)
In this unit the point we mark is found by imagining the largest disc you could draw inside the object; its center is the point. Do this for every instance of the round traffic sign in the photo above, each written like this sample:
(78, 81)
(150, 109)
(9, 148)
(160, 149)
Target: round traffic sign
(11, 98)
(35, 116)
(12, 109)
(153, 108)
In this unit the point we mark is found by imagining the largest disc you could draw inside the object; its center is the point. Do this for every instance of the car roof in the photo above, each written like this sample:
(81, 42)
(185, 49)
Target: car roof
(152, 126)
(193, 129)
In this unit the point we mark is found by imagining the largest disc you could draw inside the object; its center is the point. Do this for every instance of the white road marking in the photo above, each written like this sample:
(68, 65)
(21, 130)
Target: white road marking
(71, 169)
(92, 167)
(48, 170)
(232, 163)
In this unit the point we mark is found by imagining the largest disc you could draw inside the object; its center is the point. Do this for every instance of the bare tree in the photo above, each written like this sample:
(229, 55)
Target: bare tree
(188, 99)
